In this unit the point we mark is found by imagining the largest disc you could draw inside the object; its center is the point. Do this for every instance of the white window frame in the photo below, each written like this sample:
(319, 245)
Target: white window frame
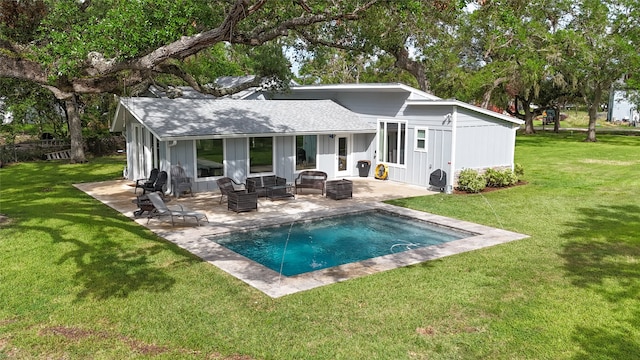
(426, 139)
(382, 153)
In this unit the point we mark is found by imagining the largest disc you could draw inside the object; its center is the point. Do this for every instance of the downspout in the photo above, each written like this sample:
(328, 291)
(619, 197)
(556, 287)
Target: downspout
(452, 161)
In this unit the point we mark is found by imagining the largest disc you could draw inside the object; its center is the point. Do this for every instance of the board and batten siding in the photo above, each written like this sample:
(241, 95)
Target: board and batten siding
(419, 164)
(483, 142)
(236, 159)
(285, 159)
(326, 154)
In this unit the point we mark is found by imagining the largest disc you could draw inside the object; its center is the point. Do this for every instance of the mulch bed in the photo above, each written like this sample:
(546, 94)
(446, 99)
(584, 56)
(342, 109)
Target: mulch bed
(489, 189)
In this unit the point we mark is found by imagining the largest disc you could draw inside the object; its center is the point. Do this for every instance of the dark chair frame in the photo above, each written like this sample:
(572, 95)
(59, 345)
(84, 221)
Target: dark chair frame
(260, 184)
(159, 185)
(311, 179)
(148, 182)
(228, 186)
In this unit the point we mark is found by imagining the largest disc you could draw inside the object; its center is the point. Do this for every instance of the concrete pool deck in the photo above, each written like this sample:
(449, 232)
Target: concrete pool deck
(368, 194)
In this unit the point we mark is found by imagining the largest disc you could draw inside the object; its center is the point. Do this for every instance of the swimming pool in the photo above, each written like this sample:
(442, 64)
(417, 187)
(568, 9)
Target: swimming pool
(302, 247)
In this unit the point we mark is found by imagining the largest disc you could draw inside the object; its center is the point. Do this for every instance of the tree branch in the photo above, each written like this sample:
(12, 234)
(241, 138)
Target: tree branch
(110, 75)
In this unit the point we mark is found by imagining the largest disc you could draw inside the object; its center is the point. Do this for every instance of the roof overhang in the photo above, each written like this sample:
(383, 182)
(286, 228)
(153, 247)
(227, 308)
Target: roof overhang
(464, 105)
(363, 88)
(181, 119)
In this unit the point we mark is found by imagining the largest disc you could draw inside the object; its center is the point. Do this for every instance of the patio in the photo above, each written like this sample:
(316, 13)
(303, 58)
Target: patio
(119, 195)
(368, 193)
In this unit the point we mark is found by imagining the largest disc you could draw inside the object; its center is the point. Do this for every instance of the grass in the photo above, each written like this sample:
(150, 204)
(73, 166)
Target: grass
(78, 280)
(579, 119)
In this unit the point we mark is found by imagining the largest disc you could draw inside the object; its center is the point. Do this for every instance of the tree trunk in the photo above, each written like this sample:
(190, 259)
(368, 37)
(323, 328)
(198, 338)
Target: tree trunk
(528, 117)
(486, 97)
(556, 120)
(415, 68)
(75, 130)
(593, 115)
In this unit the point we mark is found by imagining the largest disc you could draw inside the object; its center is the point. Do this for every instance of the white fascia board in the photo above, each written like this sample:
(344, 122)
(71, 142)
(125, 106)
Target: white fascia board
(370, 87)
(465, 106)
(117, 124)
(140, 121)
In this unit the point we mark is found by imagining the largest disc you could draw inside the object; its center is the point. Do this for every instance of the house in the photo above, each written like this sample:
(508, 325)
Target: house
(621, 108)
(331, 128)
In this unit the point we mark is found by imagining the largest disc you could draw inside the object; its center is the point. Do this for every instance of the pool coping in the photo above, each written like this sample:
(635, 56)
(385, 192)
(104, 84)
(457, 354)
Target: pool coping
(275, 285)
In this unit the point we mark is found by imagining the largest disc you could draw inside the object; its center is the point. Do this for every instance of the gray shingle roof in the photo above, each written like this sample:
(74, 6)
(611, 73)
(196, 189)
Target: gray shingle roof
(184, 118)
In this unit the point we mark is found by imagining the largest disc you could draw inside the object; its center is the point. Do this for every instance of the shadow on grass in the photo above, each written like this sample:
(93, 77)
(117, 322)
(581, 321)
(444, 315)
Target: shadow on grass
(111, 255)
(602, 257)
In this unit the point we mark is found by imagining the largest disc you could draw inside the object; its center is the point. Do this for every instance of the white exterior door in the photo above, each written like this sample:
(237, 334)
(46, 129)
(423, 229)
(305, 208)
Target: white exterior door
(343, 155)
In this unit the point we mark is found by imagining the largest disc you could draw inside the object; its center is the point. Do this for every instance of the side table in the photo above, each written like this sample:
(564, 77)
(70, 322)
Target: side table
(339, 189)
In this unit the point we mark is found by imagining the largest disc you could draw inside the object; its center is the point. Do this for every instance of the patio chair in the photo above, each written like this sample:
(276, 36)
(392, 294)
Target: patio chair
(180, 182)
(227, 185)
(161, 209)
(158, 185)
(240, 201)
(141, 183)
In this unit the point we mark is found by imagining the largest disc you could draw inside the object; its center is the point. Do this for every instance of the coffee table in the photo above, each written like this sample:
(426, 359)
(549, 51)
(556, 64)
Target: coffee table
(280, 192)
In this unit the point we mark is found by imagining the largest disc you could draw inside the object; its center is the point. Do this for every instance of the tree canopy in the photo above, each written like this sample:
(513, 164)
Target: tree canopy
(480, 51)
(107, 46)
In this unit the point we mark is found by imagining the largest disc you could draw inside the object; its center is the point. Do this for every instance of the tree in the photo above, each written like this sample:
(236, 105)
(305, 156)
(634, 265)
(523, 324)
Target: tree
(108, 46)
(601, 46)
(408, 31)
(513, 46)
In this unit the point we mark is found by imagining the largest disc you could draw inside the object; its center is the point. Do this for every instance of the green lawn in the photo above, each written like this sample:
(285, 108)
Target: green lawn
(78, 280)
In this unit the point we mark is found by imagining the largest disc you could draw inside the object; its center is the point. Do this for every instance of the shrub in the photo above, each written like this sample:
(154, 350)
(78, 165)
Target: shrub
(493, 177)
(509, 178)
(518, 169)
(500, 178)
(471, 181)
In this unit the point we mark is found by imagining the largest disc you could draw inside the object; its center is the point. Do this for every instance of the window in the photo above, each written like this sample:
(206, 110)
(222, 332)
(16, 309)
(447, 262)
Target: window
(421, 139)
(391, 141)
(260, 155)
(306, 153)
(210, 157)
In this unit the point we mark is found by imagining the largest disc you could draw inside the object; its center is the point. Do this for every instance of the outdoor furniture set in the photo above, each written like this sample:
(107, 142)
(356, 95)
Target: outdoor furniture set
(240, 197)
(244, 197)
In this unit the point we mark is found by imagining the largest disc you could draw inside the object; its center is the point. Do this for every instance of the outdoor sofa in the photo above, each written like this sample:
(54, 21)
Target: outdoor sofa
(311, 179)
(260, 184)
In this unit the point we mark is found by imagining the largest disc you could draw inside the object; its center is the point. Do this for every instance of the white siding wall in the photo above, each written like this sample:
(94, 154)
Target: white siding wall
(285, 165)
(236, 163)
(419, 164)
(326, 155)
(483, 143)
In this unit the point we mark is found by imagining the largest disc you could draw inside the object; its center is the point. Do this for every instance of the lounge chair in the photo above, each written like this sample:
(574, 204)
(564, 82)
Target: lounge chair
(180, 182)
(161, 209)
(158, 185)
(141, 183)
(228, 185)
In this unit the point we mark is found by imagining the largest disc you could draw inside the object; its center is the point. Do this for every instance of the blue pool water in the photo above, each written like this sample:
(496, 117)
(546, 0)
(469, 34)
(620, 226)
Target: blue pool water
(308, 246)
